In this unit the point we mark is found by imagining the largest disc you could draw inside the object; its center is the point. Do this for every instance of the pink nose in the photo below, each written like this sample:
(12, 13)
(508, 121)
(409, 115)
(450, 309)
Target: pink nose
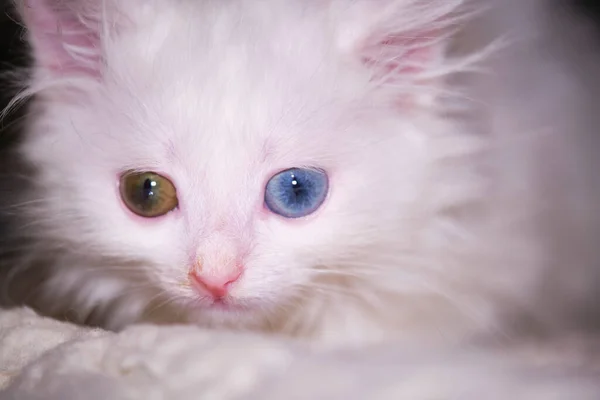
(213, 284)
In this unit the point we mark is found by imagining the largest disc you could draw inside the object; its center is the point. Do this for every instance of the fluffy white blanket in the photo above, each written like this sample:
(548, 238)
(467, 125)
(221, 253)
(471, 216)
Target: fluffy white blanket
(49, 360)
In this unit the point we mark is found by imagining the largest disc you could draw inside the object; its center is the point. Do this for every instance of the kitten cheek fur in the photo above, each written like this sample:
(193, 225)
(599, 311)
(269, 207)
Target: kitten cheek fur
(197, 89)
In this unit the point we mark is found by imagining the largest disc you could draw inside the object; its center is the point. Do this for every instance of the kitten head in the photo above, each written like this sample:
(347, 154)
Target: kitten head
(247, 162)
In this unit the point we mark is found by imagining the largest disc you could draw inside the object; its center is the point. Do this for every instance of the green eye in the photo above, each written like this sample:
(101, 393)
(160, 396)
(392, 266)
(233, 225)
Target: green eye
(148, 194)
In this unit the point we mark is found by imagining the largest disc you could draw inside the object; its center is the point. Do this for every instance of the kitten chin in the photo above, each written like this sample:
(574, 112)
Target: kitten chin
(456, 197)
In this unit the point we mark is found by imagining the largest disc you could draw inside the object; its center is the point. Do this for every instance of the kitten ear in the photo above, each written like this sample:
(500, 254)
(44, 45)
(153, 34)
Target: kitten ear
(400, 41)
(65, 35)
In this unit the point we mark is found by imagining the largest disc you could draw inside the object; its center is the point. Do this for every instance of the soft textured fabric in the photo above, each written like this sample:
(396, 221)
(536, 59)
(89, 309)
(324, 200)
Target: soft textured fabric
(46, 359)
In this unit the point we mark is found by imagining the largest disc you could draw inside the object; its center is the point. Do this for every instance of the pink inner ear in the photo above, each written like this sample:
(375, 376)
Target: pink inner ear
(64, 41)
(400, 56)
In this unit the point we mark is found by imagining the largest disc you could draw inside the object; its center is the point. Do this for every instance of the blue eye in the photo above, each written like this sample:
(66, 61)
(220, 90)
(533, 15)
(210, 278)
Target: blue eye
(296, 192)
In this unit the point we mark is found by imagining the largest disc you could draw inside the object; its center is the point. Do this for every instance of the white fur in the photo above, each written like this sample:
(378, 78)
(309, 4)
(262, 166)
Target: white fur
(219, 96)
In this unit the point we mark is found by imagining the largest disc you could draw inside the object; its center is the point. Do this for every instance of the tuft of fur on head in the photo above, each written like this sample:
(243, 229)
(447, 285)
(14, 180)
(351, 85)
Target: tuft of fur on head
(219, 96)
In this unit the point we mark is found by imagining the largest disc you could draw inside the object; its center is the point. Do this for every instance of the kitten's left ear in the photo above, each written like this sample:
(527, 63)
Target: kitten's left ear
(400, 41)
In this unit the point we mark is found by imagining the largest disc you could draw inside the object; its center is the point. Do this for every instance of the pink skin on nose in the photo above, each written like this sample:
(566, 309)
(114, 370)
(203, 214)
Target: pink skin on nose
(215, 285)
(217, 262)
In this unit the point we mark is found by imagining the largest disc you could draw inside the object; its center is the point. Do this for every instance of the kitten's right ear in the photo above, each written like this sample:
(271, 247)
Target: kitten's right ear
(65, 36)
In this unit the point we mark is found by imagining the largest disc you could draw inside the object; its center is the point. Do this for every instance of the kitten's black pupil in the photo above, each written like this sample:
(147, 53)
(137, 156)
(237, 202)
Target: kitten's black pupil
(298, 188)
(147, 189)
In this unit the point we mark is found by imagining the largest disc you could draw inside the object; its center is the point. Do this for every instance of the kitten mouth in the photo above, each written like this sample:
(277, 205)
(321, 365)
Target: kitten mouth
(226, 305)
(221, 303)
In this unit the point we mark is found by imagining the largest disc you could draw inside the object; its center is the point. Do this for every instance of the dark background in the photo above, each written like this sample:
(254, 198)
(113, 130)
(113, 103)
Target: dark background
(11, 47)
(590, 6)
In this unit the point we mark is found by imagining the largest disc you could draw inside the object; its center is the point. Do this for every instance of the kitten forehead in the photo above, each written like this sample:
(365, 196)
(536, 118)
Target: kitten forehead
(236, 49)
(202, 82)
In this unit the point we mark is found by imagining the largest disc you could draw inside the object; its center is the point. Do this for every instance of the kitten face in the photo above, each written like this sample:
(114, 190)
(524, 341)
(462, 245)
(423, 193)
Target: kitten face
(219, 99)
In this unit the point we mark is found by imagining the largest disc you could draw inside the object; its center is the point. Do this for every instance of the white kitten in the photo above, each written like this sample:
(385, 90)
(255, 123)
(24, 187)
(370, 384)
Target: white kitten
(164, 133)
